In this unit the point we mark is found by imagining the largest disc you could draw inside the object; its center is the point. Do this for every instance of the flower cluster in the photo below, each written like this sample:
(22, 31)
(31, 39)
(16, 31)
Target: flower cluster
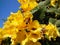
(23, 30)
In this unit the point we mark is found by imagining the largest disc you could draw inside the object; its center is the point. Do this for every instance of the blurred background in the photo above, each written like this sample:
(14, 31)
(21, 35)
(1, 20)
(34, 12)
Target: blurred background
(6, 7)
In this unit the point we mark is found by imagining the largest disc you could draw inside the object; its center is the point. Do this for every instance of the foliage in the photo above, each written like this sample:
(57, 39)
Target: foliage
(37, 23)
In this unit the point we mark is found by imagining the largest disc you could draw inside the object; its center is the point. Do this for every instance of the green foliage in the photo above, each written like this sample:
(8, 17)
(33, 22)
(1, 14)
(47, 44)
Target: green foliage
(52, 20)
(6, 41)
(45, 41)
(58, 23)
(45, 13)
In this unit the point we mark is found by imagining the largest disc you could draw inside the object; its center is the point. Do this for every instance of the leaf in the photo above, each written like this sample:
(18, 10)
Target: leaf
(52, 20)
(59, 29)
(34, 10)
(57, 23)
(51, 10)
(6, 41)
(40, 5)
(42, 13)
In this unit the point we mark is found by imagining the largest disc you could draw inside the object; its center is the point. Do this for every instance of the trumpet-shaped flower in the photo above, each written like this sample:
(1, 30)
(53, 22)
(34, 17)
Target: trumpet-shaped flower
(27, 5)
(51, 31)
(32, 43)
(53, 2)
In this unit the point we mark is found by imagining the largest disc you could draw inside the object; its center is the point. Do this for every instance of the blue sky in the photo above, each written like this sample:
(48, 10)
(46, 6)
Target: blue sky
(7, 6)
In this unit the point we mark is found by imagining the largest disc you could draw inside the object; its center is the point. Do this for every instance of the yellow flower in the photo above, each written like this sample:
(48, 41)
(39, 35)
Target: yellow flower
(17, 18)
(32, 43)
(22, 29)
(51, 31)
(9, 33)
(27, 17)
(24, 41)
(27, 14)
(25, 1)
(27, 5)
(53, 2)
(14, 20)
(34, 31)
(34, 25)
(20, 36)
(34, 36)
(29, 42)
(1, 36)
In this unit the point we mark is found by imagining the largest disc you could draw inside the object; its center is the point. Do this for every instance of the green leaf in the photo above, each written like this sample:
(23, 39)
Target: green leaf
(57, 11)
(51, 10)
(40, 5)
(6, 41)
(34, 10)
(52, 20)
(42, 13)
(57, 23)
(59, 29)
